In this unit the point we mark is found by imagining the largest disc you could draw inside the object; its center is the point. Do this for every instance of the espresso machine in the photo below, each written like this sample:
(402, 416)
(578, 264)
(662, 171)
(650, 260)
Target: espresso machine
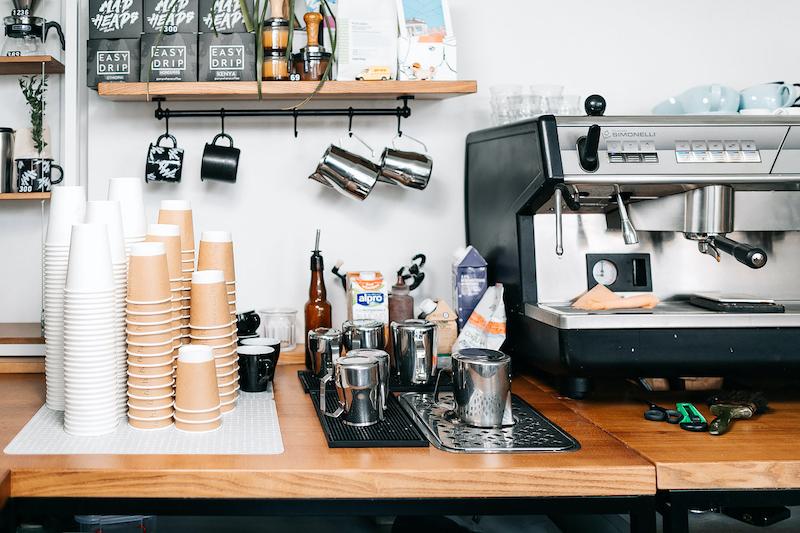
(702, 211)
(25, 33)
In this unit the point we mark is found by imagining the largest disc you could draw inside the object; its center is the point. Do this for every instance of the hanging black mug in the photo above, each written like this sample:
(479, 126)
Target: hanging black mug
(35, 174)
(220, 163)
(164, 163)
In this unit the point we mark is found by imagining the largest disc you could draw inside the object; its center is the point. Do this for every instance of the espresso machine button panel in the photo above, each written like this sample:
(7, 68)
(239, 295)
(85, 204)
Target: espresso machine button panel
(717, 151)
(631, 152)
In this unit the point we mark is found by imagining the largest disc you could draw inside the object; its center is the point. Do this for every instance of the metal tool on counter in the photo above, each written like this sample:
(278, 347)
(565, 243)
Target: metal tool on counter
(414, 343)
(481, 388)
(568, 191)
(656, 413)
(734, 405)
(364, 333)
(358, 387)
(325, 348)
(691, 419)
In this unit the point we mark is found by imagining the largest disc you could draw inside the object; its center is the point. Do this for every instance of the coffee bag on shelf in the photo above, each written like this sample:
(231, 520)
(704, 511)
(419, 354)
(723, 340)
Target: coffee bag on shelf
(169, 57)
(227, 57)
(223, 16)
(115, 19)
(112, 60)
(171, 16)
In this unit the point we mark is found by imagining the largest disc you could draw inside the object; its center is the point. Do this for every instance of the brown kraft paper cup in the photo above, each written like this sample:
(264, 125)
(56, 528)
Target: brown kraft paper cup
(173, 246)
(198, 417)
(196, 386)
(148, 279)
(143, 380)
(217, 343)
(150, 350)
(149, 392)
(148, 370)
(217, 256)
(150, 423)
(165, 359)
(148, 311)
(148, 329)
(209, 305)
(182, 219)
(198, 427)
(157, 338)
(228, 389)
(158, 412)
(151, 403)
(215, 332)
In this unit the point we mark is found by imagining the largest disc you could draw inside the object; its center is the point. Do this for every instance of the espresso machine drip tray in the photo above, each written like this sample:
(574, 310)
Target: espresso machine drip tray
(531, 431)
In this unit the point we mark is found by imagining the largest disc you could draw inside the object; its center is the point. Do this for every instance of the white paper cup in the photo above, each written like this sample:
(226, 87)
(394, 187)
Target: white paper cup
(89, 259)
(67, 207)
(129, 193)
(109, 212)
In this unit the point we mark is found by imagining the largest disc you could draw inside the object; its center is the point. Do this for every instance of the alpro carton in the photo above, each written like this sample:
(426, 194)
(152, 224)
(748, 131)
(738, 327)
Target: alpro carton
(367, 296)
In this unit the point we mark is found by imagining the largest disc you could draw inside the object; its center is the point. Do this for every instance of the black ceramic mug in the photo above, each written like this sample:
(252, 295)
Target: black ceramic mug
(247, 324)
(35, 174)
(256, 367)
(220, 163)
(164, 163)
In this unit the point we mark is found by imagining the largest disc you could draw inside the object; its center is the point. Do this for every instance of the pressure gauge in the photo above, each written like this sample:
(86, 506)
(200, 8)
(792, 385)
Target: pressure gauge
(604, 272)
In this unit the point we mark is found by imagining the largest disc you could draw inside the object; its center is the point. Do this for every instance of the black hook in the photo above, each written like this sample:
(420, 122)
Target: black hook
(294, 115)
(166, 121)
(350, 113)
(399, 121)
(222, 119)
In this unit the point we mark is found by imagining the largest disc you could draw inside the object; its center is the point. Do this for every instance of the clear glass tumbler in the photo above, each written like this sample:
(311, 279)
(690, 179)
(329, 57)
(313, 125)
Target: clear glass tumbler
(279, 323)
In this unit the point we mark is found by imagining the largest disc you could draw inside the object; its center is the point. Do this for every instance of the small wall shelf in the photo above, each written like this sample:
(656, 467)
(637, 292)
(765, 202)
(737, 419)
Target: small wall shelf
(30, 65)
(286, 90)
(19, 196)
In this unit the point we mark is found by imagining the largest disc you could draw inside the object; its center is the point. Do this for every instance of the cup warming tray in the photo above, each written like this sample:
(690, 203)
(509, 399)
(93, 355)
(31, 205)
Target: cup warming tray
(532, 432)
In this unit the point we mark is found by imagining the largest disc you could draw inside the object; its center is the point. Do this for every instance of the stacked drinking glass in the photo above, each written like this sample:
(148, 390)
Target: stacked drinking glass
(212, 325)
(91, 378)
(67, 207)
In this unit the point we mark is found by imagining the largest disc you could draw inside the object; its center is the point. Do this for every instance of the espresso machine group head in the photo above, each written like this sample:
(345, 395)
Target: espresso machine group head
(559, 204)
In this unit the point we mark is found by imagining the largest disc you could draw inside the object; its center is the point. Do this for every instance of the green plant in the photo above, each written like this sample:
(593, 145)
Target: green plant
(34, 89)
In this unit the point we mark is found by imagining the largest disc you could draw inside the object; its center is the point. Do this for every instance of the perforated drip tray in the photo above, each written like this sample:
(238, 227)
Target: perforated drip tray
(531, 432)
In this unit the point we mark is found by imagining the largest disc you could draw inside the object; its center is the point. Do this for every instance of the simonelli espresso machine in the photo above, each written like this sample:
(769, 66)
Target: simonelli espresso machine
(25, 33)
(695, 209)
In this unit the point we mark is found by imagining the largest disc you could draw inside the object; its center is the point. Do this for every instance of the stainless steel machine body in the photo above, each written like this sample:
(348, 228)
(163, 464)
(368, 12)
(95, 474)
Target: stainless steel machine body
(689, 187)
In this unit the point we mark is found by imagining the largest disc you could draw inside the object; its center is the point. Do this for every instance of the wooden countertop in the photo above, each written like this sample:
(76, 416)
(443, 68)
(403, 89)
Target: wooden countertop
(309, 469)
(761, 453)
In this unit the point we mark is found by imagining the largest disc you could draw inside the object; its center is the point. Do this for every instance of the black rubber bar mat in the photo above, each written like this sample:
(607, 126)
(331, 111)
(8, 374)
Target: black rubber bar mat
(310, 382)
(396, 431)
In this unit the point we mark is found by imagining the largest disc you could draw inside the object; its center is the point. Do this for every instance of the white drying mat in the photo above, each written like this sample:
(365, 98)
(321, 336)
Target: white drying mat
(251, 429)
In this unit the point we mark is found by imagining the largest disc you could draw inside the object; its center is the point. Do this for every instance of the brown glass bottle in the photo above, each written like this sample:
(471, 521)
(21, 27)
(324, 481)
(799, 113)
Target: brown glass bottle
(318, 309)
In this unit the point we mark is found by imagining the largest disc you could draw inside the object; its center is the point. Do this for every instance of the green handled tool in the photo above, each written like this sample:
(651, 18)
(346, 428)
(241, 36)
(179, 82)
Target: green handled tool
(692, 419)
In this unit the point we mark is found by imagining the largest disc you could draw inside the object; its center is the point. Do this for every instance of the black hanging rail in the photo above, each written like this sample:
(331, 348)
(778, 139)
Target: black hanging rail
(401, 112)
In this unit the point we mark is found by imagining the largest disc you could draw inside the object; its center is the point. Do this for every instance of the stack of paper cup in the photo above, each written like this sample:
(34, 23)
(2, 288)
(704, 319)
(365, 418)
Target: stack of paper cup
(179, 213)
(67, 207)
(90, 373)
(108, 212)
(197, 400)
(150, 336)
(169, 234)
(128, 192)
(216, 253)
(211, 325)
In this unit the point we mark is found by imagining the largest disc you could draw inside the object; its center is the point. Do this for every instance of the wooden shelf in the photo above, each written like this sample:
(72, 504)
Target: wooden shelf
(25, 196)
(21, 333)
(286, 90)
(30, 65)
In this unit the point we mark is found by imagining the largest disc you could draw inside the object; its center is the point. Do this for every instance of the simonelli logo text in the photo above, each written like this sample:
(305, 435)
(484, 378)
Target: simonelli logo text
(627, 133)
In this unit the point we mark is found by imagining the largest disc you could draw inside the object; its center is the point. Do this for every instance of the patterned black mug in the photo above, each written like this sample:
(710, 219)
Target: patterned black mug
(164, 163)
(35, 174)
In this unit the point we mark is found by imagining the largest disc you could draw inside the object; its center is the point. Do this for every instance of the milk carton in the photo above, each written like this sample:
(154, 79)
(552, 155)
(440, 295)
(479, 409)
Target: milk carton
(470, 281)
(367, 296)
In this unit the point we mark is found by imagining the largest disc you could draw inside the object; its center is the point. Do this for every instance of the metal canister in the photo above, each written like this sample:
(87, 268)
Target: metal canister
(363, 334)
(414, 343)
(324, 345)
(482, 387)
(7, 181)
(383, 368)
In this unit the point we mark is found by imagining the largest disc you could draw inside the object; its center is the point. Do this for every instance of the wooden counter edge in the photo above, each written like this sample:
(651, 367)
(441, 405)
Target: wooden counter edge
(5, 487)
(742, 475)
(298, 484)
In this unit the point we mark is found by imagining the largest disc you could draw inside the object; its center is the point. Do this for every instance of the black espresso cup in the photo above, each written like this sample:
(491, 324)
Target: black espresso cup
(256, 367)
(164, 163)
(247, 324)
(35, 174)
(220, 163)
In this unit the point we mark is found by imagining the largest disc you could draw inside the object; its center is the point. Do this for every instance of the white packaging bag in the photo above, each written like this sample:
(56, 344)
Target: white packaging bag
(486, 327)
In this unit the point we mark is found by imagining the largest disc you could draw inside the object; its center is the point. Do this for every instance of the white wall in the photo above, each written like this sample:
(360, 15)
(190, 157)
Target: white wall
(21, 222)
(634, 53)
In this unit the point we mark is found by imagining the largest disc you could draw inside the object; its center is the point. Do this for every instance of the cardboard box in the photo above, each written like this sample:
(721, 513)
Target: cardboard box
(227, 57)
(470, 280)
(112, 60)
(171, 16)
(367, 296)
(447, 330)
(226, 16)
(174, 58)
(115, 19)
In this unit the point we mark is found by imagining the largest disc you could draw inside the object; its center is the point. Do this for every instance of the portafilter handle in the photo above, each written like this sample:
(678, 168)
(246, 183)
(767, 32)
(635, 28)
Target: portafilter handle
(746, 254)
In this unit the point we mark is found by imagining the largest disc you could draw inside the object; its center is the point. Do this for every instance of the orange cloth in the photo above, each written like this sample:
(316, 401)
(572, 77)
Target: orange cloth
(601, 298)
